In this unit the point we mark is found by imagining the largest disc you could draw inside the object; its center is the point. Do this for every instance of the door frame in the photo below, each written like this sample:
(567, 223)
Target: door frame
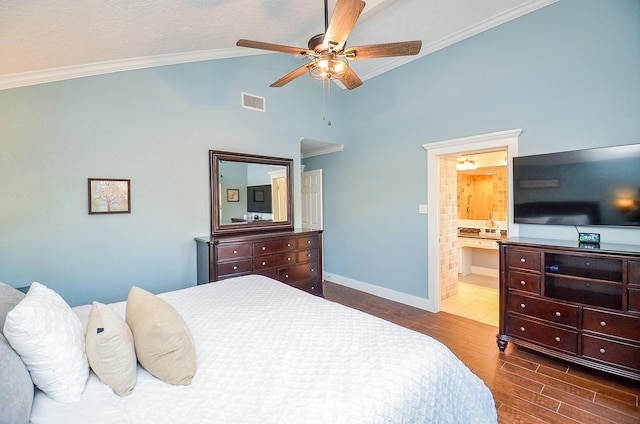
(493, 141)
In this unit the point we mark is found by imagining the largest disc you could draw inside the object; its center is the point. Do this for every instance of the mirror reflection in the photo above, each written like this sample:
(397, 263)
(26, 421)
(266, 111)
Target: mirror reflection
(252, 192)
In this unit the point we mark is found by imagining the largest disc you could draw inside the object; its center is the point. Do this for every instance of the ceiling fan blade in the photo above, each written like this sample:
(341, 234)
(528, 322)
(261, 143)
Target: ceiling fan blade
(272, 47)
(291, 75)
(403, 48)
(350, 79)
(344, 17)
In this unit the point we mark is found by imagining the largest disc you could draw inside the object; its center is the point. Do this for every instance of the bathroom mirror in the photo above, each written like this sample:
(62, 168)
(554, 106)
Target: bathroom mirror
(250, 193)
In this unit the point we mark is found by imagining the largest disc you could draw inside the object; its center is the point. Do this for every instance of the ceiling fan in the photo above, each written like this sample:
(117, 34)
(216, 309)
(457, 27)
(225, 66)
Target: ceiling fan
(328, 53)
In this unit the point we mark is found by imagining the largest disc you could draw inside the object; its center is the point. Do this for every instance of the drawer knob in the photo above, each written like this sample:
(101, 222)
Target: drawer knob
(523, 283)
(288, 259)
(521, 328)
(308, 241)
(286, 275)
(263, 263)
(264, 248)
(557, 339)
(235, 267)
(288, 244)
(602, 350)
(523, 260)
(522, 305)
(312, 269)
(603, 324)
(235, 252)
(308, 255)
(558, 313)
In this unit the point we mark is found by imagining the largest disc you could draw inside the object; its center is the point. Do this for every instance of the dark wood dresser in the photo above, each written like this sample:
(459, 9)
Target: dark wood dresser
(293, 257)
(577, 303)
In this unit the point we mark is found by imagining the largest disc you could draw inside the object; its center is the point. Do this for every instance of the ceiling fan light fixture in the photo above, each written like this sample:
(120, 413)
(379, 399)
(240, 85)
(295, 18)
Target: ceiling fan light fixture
(328, 66)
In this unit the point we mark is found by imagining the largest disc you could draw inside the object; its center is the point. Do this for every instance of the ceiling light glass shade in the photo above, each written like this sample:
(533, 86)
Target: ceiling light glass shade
(328, 66)
(465, 165)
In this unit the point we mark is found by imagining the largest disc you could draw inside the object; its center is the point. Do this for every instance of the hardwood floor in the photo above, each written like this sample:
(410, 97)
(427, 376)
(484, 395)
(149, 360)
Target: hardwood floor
(527, 387)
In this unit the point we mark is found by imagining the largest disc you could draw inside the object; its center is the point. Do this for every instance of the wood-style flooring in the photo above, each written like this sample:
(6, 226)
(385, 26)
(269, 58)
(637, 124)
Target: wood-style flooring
(527, 387)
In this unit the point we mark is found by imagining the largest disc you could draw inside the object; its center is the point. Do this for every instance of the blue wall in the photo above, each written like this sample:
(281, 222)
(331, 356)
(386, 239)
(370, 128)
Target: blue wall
(567, 74)
(152, 126)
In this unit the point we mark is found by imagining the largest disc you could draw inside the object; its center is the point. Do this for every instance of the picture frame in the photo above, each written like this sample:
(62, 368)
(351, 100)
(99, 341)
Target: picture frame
(233, 195)
(258, 196)
(109, 195)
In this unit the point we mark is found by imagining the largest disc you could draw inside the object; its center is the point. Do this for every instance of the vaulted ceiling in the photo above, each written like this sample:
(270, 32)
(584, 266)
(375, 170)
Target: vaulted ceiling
(50, 40)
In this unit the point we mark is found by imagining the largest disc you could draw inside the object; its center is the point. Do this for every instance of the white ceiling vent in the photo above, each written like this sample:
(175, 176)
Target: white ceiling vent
(250, 101)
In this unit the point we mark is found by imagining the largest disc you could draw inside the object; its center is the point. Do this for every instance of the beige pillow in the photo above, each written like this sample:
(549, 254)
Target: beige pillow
(163, 343)
(110, 350)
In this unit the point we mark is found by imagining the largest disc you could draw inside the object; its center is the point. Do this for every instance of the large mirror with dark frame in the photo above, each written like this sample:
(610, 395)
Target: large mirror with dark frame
(250, 193)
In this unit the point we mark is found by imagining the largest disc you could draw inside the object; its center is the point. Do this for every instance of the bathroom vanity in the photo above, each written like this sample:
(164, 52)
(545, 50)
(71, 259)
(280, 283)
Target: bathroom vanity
(478, 250)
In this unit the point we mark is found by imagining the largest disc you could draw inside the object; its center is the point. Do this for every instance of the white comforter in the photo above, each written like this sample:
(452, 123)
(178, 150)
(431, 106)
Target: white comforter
(268, 353)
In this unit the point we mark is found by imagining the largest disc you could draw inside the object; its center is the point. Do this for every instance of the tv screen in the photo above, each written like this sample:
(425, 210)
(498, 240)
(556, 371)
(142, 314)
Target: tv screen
(259, 198)
(583, 187)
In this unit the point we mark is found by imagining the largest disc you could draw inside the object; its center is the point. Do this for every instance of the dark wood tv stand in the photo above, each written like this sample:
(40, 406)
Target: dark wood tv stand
(576, 303)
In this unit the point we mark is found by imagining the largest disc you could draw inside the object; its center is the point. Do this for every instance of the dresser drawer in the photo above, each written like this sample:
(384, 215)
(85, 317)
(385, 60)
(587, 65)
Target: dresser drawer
(634, 273)
(298, 273)
(634, 300)
(612, 352)
(524, 281)
(553, 337)
(270, 261)
(307, 242)
(307, 255)
(611, 324)
(309, 286)
(522, 258)
(273, 246)
(233, 251)
(228, 269)
(558, 313)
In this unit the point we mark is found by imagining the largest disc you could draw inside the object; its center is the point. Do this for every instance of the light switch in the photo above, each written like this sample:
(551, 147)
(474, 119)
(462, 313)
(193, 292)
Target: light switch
(423, 209)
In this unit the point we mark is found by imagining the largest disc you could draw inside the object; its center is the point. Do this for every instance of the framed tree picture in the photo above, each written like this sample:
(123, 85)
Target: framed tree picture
(233, 195)
(108, 195)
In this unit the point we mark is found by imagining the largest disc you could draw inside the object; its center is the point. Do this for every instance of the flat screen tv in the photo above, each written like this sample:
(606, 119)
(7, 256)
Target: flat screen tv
(259, 199)
(584, 187)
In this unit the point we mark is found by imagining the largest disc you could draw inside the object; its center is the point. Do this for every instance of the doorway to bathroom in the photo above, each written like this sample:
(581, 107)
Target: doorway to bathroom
(443, 160)
(481, 196)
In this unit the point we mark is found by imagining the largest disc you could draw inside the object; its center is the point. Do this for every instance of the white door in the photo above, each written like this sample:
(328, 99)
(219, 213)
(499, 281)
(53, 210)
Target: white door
(312, 199)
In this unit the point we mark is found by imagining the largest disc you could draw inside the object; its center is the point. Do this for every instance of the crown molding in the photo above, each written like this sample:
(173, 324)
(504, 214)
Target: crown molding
(23, 79)
(317, 148)
(459, 36)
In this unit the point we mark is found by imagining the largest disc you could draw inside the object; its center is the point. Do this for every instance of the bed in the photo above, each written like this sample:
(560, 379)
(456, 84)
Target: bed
(269, 353)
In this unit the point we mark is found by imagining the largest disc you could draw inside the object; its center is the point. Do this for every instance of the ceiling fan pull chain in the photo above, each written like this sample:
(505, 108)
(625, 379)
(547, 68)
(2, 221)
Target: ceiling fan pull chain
(329, 94)
(323, 102)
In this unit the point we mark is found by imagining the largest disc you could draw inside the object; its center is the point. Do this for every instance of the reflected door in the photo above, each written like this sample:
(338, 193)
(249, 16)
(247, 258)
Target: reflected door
(279, 198)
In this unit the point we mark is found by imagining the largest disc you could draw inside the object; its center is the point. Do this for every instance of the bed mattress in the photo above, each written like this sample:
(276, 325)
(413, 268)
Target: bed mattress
(269, 353)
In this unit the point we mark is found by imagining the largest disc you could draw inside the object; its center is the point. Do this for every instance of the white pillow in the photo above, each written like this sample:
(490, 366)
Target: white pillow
(48, 336)
(110, 349)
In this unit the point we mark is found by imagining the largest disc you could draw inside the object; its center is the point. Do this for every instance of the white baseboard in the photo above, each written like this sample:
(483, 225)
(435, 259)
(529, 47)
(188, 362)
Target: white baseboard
(407, 299)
